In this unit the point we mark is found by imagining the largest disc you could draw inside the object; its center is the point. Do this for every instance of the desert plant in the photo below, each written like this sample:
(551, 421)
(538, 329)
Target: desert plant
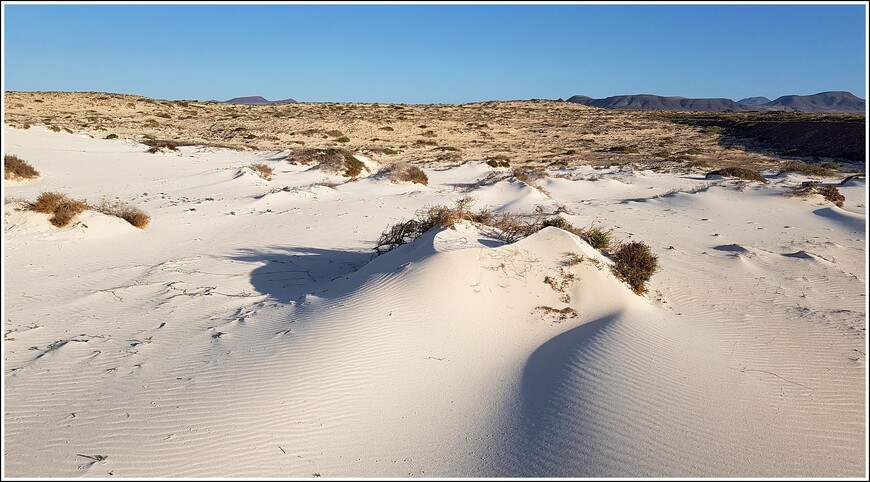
(738, 172)
(157, 144)
(598, 238)
(17, 168)
(262, 170)
(131, 214)
(404, 172)
(334, 159)
(112, 136)
(804, 168)
(343, 139)
(832, 194)
(634, 265)
(60, 206)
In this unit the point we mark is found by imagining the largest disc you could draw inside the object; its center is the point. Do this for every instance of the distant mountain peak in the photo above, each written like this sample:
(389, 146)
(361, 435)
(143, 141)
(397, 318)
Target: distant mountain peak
(754, 101)
(256, 100)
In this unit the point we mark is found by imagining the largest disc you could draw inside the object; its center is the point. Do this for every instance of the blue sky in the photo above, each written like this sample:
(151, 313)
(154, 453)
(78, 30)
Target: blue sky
(435, 53)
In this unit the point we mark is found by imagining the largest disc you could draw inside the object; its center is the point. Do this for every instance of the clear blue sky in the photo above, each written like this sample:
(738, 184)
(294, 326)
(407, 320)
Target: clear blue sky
(435, 53)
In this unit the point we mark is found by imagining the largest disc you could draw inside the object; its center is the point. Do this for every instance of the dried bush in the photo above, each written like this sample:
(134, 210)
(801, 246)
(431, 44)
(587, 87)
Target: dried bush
(262, 170)
(60, 206)
(738, 172)
(131, 214)
(157, 144)
(17, 168)
(831, 193)
(333, 159)
(635, 264)
(404, 172)
(801, 167)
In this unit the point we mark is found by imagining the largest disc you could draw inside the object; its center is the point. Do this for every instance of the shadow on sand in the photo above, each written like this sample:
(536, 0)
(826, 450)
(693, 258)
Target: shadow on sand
(293, 272)
(534, 447)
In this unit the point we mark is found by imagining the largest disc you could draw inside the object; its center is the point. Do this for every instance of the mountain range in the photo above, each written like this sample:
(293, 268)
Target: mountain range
(823, 102)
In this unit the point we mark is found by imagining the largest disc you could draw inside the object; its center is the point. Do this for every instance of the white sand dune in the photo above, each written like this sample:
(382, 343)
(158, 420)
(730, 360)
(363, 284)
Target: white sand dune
(249, 331)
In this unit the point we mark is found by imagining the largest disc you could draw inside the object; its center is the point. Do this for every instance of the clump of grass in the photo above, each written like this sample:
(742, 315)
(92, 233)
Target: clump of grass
(404, 172)
(62, 208)
(112, 136)
(635, 264)
(131, 214)
(738, 172)
(262, 170)
(334, 159)
(802, 167)
(17, 168)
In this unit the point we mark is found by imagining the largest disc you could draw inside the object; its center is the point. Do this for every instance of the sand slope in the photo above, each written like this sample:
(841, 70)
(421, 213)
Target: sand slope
(250, 331)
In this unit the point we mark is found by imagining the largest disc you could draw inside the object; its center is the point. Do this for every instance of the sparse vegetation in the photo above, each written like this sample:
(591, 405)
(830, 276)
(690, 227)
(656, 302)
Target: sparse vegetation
(333, 159)
(635, 264)
(262, 170)
(831, 193)
(156, 145)
(802, 167)
(738, 172)
(405, 172)
(61, 208)
(131, 214)
(112, 136)
(17, 168)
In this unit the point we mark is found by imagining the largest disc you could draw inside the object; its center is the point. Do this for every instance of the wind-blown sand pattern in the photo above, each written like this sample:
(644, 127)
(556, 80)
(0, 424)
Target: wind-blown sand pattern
(249, 331)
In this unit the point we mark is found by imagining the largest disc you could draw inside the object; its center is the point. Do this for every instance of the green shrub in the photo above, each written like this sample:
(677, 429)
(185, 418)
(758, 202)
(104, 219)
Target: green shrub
(112, 136)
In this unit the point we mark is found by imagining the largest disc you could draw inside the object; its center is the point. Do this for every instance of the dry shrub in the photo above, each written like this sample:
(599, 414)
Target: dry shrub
(738, 172)
(17, 168)
(333, 159)
(802, 167)
(131, 214)
(60, 206)
(262, 170)
(157, 144)
(635, 264)
(830, 193)
(404, 172)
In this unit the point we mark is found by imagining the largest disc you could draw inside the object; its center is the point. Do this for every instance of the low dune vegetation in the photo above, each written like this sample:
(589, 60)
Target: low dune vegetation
(634, 261)
(61, 208)
(64, 209)
(118, 209)
(16, 168)
(809, 188)
(405, 172)
(262, 170)
(333, 159)
(738, 172)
